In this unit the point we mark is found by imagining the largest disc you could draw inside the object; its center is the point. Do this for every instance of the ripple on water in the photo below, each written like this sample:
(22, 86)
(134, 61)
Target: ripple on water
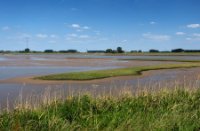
(16, 71)
(2, 59)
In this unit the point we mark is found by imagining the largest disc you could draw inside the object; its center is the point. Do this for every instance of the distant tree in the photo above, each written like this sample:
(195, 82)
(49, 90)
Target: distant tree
(153, 51)
(68, 51)
(133, 51)
(48, 51)
(35, 52)
(109, 51)
(114, 51)
(177, 50)
(27, 50)
(190, 51)
(119, 50)
(165, 51)
(95, 51)
(139, 51)
(72, 51)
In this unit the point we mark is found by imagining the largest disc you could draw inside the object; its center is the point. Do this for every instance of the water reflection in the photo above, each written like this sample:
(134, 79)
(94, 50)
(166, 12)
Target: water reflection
(16, 71)
(36, 66)
(161, 79)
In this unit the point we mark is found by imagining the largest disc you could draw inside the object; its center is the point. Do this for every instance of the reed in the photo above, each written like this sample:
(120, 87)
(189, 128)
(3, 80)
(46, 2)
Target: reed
(164, 109)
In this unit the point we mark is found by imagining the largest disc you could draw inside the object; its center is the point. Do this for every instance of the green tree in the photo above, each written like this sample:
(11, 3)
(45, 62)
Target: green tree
(27, 50)
(119, 50)
(109, 51)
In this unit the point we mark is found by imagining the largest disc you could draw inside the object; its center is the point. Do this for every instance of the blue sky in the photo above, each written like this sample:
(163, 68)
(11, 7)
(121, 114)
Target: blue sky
(99, 24)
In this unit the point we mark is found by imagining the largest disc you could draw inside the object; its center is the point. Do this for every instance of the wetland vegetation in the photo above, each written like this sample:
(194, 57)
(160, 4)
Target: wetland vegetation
(177, 109)
(91, 75)
(165, 109)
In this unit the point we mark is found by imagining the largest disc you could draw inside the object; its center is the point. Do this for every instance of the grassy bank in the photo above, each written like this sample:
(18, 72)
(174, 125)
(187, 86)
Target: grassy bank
(157, 59)
(163, 110)
(90, 75)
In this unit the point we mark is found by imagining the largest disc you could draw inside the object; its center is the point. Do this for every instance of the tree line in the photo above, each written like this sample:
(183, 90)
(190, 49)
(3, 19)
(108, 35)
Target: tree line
(109, 50)
(178, 50)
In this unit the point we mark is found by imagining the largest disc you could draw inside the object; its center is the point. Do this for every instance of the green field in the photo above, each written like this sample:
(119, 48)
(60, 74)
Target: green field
(173, 110)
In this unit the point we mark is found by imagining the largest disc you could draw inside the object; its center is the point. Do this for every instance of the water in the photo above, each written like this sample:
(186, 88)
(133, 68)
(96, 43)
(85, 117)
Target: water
(34, 65)
(57, 57)
(163, 79)
(13, 72)
(2, 59)
(11, 91)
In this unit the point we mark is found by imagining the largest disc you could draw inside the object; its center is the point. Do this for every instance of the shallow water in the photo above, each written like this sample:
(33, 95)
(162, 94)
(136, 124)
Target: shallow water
(11, 91)
(2, 59)
(17, 71)
(154, 81)
(57, 57)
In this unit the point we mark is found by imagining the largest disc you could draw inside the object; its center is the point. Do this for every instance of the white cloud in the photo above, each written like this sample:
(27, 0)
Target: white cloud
(152, 23)
(196, 35)
(42, 36)
(6, 28)
(124, 41)
(79, 28)
(193, 26)
(84, 36)
(97, 32)
(180, 33)
(156, 37)
(19, 36)
(75, 26)
(24, 35)
(103, 39)
(53, 36)
(86, 27)
(52, 42)
(188, 38)
(76, 37)
(73, 35)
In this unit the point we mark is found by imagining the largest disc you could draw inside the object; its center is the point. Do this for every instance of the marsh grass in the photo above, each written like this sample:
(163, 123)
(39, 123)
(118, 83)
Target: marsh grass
(165, 109)
(162, 59)
(100, 74)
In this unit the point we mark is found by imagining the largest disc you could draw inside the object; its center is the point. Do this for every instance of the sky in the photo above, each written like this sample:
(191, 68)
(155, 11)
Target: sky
(99, 24)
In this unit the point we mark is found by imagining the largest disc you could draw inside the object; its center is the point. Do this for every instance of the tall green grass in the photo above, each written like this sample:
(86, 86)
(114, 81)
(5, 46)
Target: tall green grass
(177, 109)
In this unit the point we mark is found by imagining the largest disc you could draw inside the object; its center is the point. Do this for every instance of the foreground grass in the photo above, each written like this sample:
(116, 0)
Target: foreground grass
(90, 75)
(164, 110)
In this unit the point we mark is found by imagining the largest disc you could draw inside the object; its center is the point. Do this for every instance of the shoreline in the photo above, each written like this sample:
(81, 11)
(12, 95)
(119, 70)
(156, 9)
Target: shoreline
(30, 80)
(75, 62)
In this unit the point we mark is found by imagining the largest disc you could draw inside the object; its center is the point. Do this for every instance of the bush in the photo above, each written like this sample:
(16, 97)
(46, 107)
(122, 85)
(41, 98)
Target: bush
(48, 51)
(177, 50)
(119, 50)
(68, 51)
(109, 51)
(27, 50)
(154, 51)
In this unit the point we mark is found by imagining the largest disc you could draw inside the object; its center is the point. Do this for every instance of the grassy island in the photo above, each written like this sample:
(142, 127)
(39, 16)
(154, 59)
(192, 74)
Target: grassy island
(91, 75)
